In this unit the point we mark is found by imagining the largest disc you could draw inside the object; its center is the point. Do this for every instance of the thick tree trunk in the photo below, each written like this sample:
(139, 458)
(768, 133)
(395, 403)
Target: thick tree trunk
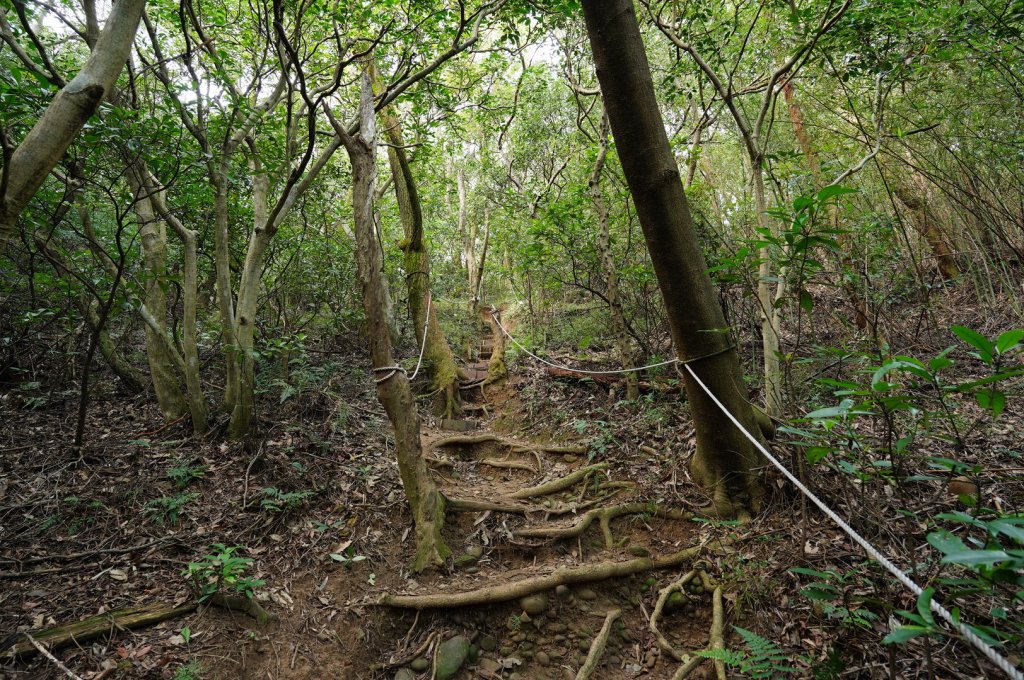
(611, 272)
(153, 237)
(724, 459)
(46, 143)
(437, 354)
(393, 389)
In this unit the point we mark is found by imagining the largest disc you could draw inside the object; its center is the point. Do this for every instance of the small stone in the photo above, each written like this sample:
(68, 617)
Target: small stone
(519, 637)
(556, 627)
(488, 667)
(676, 600)
(488, 643)
(584, 607)
(476, 551)
(465, 560)
(563, 592)
(542, 658)
(570, 458)
(451, 654)
(586, 594)
(405, 674)
(638, 550)
(614, 661)
(559, 638)
(471, 570)
(534, 604)
(420, 664)
(625, 634)
(650, 659)
(507, 649)
(474, 653)
(583, 645)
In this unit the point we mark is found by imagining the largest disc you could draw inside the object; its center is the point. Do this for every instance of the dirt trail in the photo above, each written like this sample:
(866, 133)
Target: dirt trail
(514, 524)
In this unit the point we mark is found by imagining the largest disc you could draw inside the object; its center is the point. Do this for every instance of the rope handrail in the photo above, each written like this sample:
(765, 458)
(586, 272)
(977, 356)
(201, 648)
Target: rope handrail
(986, 649)
(990, 653)
(392, 370)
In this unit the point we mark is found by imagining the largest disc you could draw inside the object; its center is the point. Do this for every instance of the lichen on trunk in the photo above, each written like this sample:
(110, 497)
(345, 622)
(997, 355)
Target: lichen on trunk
(393, 389)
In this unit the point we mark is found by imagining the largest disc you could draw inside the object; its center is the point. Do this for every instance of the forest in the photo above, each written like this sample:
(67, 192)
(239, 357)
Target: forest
(511, 339)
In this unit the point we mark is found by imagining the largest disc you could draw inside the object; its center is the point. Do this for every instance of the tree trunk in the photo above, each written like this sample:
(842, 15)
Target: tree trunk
(437, 354)
(225, 298)
(242, 410)
(46, 143)
(393, 389)
(915, 197)
(611, 274)
(724, 460)
(153, 237)
(771, 319)
(796, 117)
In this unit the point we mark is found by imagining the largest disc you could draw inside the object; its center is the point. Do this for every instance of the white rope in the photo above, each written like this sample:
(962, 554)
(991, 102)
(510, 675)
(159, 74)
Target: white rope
(392, 370)
(423, 346)
(995, 657)
(579, 370)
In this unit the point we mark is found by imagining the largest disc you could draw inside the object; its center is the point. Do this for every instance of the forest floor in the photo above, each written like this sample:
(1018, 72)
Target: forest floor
(113, 526)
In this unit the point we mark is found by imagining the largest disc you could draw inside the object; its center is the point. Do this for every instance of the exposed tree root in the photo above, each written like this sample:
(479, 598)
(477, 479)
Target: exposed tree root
(503, 592)
(559, 484)
(604, 517)
(717, 640)
(659, 606)
(597, 646)
(481, 505)
(470, 439)
(716, 637)
(509, 464)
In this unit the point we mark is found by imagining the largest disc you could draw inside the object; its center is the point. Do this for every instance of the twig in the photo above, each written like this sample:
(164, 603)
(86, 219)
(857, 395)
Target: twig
(597, 646)
(717, 640)
(45, 652)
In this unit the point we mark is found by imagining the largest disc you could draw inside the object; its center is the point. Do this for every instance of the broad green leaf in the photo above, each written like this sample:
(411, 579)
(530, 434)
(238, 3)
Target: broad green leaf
(974, 558)
(975, 340)
(1009, 340)
(924, 605)
(903, 634)
(834, 190)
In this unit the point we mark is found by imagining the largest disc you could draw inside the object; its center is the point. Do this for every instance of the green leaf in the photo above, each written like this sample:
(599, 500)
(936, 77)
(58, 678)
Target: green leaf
(946, 543)
(973, 558)
(834, 190)
(904, 634)
(806, 301)
(1009, 340)
(975, 340)
(924, 605)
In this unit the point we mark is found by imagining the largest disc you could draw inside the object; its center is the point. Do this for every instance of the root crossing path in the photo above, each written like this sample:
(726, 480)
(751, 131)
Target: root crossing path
(549, 540)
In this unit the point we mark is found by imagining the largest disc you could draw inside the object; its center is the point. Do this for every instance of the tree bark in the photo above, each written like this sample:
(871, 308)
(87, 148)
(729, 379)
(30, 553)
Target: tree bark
(393, 389)
(437, 354)
(51, 136)
(724, 459)
(153, 238)
(915, 197)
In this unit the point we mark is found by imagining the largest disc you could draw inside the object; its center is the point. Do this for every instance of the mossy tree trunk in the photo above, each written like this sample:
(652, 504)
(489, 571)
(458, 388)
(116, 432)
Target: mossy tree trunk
(153, 237)
(393, 389)
(724, 461)
(437, 354)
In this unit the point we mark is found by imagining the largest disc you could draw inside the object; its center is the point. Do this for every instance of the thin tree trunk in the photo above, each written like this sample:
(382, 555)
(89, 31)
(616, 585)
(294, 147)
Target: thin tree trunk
(26, 169)
(225, 298)
(796, 117)
(437, 354)
(242, 411)
(724, 461)
(771, 321)
(393, 389)
(916, 198)
(153, 233)
(611, 274)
